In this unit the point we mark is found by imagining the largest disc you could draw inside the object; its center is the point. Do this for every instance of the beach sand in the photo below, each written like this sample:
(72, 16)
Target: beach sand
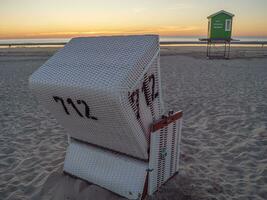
(224, 135)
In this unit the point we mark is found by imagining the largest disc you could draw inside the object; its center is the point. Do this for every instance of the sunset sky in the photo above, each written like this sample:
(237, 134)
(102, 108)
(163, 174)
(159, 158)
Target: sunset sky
(69, 18)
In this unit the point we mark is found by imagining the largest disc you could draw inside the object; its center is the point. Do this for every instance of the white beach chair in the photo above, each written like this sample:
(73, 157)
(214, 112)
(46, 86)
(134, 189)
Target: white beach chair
(106, 93)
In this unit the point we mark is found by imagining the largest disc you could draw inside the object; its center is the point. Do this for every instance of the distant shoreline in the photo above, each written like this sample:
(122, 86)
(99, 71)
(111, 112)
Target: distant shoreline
(261, 43)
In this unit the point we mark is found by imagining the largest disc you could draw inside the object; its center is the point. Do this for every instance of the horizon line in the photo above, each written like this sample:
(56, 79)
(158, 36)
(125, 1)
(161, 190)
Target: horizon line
(69, 37)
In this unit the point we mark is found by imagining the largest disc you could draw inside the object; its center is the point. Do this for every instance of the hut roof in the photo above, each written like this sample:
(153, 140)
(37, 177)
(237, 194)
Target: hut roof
(222, 11)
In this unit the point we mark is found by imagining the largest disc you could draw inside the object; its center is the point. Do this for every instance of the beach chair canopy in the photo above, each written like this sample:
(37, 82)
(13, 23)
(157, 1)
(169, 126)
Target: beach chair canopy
(104, 90)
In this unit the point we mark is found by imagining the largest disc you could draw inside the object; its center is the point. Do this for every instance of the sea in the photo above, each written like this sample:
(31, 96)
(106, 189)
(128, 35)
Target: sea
(162, 39)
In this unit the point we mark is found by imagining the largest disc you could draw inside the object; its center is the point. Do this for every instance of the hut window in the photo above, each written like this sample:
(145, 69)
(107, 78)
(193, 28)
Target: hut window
(228, 25)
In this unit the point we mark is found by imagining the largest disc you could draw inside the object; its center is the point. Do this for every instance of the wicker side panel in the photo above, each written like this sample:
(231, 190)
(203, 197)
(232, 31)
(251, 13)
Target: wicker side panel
(164, 154)
(142, 104)
(120, 174)
(179, 129)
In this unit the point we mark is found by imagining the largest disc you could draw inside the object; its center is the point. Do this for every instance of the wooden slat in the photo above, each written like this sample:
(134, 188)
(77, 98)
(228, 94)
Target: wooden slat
(164, 122)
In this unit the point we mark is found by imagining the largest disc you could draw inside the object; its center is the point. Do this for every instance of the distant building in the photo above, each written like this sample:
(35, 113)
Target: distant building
(220, 25)
(219, 32)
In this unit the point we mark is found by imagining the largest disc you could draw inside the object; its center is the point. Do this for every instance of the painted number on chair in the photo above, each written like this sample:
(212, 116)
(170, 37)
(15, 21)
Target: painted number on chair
(79, 106)
(148, 90)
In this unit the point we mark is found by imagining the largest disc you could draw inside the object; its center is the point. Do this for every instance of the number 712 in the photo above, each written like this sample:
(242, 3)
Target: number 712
(70, 102)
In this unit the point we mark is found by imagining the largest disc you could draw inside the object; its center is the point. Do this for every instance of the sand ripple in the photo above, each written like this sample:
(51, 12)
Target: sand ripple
(224, 143)
(32, 144)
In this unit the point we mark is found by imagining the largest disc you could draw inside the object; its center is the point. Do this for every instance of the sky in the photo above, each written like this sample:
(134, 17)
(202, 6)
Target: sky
(69, 18)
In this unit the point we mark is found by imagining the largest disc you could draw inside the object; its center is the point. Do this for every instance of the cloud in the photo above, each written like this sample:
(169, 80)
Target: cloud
(162, 30)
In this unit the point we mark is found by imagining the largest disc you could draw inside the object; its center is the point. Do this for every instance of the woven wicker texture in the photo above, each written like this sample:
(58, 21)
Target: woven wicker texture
(120, 174)
(164, 154)
(104, 90)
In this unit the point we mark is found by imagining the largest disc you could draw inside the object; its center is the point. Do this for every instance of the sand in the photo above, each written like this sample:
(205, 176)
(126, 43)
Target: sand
(224, 136)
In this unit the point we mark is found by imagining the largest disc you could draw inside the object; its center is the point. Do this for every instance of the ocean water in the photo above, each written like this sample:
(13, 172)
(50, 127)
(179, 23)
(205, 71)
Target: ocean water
(162, 39)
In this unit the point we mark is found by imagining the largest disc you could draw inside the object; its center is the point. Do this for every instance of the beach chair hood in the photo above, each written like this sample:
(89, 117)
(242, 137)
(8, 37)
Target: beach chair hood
(104, 90)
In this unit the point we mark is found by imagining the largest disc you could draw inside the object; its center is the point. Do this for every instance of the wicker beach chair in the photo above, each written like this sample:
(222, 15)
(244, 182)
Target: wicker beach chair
(106, 93)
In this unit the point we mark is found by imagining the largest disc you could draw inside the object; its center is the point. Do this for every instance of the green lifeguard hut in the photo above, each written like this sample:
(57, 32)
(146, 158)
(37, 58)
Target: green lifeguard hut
(219, 32)
(220, 25)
